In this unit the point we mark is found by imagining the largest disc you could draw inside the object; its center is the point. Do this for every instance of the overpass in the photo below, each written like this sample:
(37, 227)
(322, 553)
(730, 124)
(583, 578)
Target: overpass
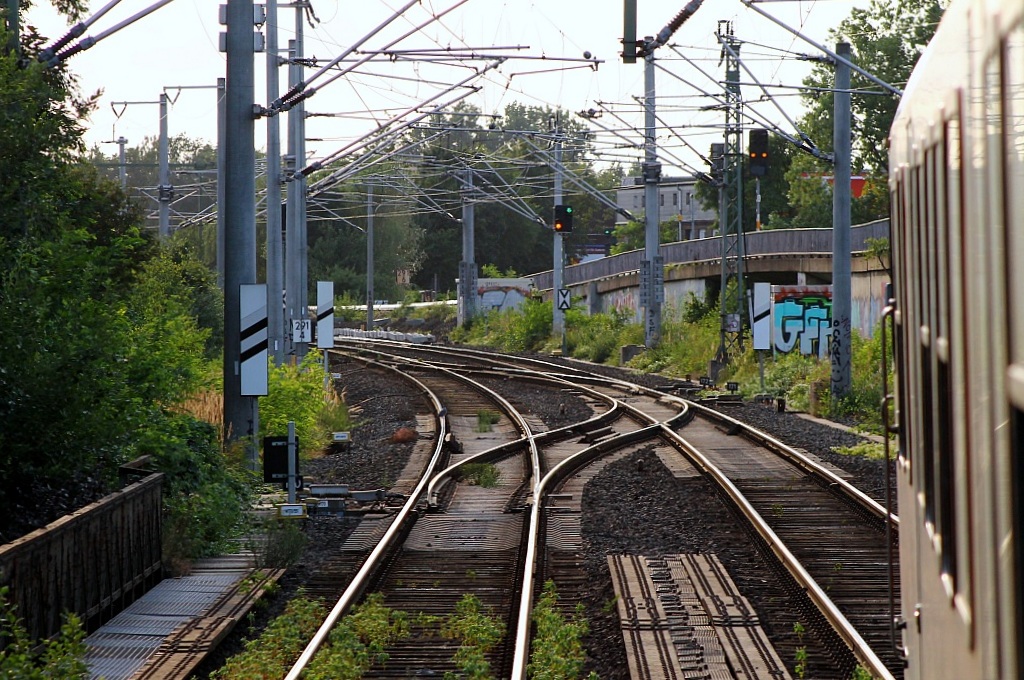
(776, 256)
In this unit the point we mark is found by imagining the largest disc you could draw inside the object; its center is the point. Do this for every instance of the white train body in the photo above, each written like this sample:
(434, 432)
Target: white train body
(957, 183)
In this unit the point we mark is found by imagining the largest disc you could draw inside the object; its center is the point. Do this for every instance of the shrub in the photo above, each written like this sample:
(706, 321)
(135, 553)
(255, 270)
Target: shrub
(61, 658)
(296, 393)
(205, 497)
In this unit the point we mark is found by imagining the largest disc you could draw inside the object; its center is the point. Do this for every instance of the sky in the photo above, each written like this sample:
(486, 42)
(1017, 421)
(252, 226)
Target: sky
(545, 42)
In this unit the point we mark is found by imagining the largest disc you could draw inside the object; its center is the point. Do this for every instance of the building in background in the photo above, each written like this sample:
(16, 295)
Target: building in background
(677, 202)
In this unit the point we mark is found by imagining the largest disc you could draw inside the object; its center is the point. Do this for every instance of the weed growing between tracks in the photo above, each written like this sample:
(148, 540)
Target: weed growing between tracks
(557, 649)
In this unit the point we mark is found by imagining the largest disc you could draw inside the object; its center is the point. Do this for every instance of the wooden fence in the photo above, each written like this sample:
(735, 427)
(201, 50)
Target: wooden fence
(94, 562)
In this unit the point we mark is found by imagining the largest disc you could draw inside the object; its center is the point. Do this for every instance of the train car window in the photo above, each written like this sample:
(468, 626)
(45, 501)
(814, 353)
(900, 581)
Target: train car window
(900, 263)
(947, 493)
(925, 226)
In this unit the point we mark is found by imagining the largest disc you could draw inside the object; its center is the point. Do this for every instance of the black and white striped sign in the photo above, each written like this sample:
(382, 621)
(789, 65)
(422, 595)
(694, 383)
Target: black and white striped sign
(325, 314)
(762, 316)
(253, 339)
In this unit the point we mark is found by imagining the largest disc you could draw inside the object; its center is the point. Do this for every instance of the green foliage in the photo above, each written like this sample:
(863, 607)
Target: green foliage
(62, 658)
(272, 654)
(491, 271)
(557, 651)
(598, 337)
(685, 348)
(477, 633)
(481, 474)
(110, 344)
(205, 497)
(512, 330)
(359, 641)
(296, 393)
(277, 543)
(485, 419)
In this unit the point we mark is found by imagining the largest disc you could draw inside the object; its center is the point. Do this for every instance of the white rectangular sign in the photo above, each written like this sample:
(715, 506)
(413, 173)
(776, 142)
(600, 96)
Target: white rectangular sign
(302, 330)
(253, 339)
(564, 301)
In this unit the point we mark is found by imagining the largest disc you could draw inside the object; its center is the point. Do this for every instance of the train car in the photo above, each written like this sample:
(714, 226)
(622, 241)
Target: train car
(957, 187)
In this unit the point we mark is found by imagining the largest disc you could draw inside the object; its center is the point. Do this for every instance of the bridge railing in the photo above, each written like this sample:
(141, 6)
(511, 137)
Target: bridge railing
(769, 242)
(93, 562)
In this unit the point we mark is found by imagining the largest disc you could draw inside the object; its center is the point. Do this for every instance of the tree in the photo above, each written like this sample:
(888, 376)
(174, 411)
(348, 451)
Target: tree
(102, 336)
(886, 38)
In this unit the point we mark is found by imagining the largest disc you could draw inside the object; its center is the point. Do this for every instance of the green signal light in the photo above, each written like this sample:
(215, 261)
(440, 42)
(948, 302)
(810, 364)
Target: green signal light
(568, 209)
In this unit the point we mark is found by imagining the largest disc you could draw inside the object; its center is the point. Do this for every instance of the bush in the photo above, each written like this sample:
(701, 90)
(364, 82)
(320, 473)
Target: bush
(598, 337)
(61, 658)
(477, 633)
(205, 497)
(296, 393)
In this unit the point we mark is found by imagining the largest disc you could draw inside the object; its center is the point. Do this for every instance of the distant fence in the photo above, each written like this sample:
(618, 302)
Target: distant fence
(94, 562)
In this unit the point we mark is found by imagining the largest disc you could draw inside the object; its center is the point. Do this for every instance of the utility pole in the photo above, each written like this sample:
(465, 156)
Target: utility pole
(122, 161)
(467, 267)
(369, 256)
(295, 251)
(240, 214)
(275, 248)
(840, 349)
(164, 191)
(652, 286)
(730, 218)
(557, 316)
(222, 154)
(652, 270)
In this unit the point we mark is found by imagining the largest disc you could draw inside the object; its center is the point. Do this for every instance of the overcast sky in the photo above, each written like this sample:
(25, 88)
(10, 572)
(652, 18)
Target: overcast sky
(178, 46)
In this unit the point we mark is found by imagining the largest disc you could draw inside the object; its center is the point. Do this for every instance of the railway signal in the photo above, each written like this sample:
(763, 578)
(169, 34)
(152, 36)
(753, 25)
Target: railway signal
(563, 218)
(758, 150)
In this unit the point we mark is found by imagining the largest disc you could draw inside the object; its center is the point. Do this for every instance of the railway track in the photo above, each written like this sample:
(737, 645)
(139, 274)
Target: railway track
(452, 538)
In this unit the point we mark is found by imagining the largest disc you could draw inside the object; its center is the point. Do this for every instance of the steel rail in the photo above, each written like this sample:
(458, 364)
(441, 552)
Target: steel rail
(816, 593)
(850, 636)
(362, 577)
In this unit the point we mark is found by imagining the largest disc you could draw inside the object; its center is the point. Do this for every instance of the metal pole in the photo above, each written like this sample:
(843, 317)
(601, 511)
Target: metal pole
(291, 264)
(240, 212)
(122, 162)
(369, 257)
(164, 190)
(693, 223)
(679, 215)
(300, 182)
(275, 254)
(649, 294)
(557, 317)
(222, 134)
(467, 266)
(840, 348)
(757, 204)
(292, 450)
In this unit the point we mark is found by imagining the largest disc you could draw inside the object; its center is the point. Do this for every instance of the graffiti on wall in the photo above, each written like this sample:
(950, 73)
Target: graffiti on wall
(502, 294)
(802, 319)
